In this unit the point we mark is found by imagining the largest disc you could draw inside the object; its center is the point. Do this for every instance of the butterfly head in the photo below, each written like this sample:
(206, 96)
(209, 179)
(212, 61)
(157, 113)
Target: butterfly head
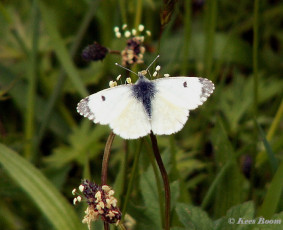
(142, 74)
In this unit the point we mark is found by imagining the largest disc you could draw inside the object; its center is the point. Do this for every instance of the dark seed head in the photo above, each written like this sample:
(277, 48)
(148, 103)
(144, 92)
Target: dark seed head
(94, 52)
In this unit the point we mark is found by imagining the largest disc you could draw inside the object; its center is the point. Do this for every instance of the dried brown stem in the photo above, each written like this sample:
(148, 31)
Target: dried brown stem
(106, 156)
(105, 161)
(115, 52)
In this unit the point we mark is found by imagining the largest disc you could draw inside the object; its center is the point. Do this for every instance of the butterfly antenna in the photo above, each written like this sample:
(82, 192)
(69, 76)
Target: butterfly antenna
(152, 62)
(126, 68)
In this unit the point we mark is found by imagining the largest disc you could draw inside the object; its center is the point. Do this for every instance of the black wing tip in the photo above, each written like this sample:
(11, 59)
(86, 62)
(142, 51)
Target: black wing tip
(207, 89)
(84, 110)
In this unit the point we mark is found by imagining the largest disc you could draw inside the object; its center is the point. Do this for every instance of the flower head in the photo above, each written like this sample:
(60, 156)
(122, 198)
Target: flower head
(101, 203)
(134, 50)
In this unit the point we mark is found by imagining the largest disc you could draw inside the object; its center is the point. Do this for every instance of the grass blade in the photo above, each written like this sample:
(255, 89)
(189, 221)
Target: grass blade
(273, 195)
(61, 51)
(59, 85)
(262, 157)
(272, 159)
(51, 203)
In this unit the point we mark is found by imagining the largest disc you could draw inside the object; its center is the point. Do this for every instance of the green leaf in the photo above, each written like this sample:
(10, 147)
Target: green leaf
(150, 196)
(238, 214)
(142, 217)
(227, 192)
(51, 203)
(193, 217)
(83, 143)
(175, 193)
(273, 223)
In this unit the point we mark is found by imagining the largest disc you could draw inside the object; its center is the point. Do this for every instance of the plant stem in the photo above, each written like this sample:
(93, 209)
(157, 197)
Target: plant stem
(106, 226)
(210, 36)
(105, 161)
(138, 13)
(165, 179)
(115, 52)
(187, 36)
(32, 80)
(123, 5)
(106, 156)
(121, 226)
(255, 54)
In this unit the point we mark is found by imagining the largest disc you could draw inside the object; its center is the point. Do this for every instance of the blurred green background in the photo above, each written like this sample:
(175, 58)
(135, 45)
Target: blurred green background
(227, 160)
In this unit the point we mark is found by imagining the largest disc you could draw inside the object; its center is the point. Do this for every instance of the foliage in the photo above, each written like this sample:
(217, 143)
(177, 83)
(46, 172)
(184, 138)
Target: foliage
(225, 163)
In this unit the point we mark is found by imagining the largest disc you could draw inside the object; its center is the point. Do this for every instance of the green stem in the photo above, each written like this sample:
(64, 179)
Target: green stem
(255, 55)
(210, 34)
(121, 226)
(165, 179)
(131, 180)
(138, 13)
(32, 78)
(123, 11)
(187, 36)
(255, 92)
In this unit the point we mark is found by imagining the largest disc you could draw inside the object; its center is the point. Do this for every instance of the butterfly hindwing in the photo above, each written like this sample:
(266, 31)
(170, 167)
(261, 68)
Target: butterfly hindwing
(119, 109)
(133, 122)
(174, 98)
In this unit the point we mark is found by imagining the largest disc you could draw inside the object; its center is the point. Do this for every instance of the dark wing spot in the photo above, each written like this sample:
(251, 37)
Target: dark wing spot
(185, 84)
(103, 98)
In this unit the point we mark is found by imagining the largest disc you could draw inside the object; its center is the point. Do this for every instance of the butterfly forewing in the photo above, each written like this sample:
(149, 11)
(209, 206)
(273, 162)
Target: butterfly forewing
(175, 97)
(117, 108)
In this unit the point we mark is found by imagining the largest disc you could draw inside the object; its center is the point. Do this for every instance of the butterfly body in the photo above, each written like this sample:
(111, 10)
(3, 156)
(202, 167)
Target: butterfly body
(134, 110)
(144, 91)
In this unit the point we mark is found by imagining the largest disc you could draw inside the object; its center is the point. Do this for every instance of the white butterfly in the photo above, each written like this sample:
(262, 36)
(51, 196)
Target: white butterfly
(134, 110)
